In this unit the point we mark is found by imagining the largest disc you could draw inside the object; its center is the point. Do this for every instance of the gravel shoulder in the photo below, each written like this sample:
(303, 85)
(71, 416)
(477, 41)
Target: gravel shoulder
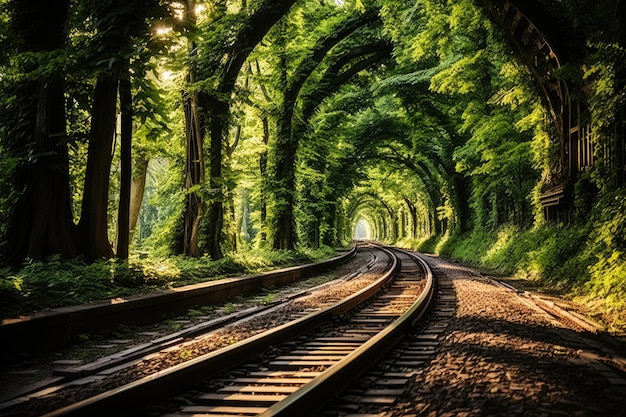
(503, 356)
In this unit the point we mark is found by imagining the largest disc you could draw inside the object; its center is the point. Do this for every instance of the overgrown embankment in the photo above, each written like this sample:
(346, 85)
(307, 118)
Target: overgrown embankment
(584, 261)
(40, 285)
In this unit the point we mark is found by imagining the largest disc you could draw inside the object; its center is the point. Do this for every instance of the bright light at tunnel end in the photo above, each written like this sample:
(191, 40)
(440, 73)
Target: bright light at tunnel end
(362, 230)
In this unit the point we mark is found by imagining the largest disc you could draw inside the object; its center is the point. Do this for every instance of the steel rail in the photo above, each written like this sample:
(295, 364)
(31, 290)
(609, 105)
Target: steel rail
(321, 389)
(121, 400)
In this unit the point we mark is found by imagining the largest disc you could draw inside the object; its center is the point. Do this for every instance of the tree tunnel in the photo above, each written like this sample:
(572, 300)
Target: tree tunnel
(422, 119)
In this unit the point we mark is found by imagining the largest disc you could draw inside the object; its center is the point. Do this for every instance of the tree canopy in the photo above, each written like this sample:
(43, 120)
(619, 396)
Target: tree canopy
(203, 128)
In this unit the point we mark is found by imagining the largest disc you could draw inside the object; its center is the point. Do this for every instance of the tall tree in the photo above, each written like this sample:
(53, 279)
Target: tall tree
(222, 59)
(194, 145)
(41, 221)
(126, 136)
(119, 26)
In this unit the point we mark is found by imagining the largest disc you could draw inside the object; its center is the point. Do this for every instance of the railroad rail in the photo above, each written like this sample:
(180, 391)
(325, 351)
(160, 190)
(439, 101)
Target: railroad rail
(44, 331)
(309, 367)
(86, 374)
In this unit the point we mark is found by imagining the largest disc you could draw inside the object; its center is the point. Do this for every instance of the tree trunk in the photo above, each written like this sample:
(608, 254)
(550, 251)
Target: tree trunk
(220, 110)
(123, 222)
(413, 213)
(93, 225)
(263, 174)
(194, 157)
(234, 223)
(137, 188)
(194, 176)
(284, 185)
(40, 223)
(52, 231)
(283, 181)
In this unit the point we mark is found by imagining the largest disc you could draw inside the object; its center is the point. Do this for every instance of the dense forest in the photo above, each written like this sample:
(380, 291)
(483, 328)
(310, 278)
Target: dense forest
(139, 136)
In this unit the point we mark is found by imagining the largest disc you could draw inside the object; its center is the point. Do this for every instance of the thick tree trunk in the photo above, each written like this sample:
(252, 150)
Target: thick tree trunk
(93, 225)
(41, 221)
(215, 214)
(194, 176)
(126, 135)
(284, 183)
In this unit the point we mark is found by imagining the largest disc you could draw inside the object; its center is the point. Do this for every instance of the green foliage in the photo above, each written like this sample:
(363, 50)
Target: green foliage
(586, 262)
(447, 146)
(41, 285)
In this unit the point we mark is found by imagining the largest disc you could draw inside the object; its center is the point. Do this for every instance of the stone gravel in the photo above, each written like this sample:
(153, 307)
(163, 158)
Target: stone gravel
(503, 356)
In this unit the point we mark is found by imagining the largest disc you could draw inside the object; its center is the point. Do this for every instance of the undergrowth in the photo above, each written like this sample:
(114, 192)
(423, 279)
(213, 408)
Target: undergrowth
(585, 262)
(41, 285)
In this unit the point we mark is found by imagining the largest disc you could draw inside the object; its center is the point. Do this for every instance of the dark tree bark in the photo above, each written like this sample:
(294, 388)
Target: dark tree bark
(220, 111)
(93, 225)
(126, 136)
(41, 222)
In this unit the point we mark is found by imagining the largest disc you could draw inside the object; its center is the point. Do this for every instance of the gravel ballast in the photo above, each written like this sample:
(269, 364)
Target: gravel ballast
(503, 356)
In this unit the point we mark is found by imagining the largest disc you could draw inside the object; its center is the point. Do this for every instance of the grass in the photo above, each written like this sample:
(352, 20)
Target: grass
(580, 262)
(41, 285)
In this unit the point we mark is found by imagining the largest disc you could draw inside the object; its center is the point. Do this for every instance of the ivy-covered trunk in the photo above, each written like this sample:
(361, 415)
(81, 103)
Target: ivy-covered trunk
(284, 183)
(194, 175)
(194, 152)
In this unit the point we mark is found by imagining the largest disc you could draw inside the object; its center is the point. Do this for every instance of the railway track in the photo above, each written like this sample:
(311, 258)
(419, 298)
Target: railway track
(86, 375)
(46, 331)
(288, 369)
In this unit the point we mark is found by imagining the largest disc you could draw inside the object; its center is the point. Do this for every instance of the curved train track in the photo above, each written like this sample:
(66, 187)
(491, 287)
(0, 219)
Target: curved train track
(114, 367)
(286, 370)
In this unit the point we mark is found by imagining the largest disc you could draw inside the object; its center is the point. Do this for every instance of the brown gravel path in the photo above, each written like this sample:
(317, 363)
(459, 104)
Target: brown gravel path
(502, 356)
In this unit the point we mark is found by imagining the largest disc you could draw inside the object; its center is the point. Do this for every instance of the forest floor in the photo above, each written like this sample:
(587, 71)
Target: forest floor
(44, 285)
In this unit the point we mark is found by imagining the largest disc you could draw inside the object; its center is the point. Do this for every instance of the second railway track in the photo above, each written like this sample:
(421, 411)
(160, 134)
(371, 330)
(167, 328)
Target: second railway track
(288, 369)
